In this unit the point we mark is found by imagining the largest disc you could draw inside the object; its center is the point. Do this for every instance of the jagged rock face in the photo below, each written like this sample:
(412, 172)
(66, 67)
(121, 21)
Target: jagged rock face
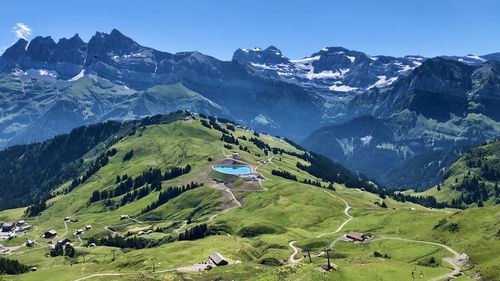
(485, 95)
(440, 106)
(15, 51)
(72, 50)
(123, 72)
(332, 70)
(41, 49)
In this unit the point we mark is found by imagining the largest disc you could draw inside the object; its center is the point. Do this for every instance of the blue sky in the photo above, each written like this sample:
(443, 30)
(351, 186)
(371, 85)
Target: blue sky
(298, 28)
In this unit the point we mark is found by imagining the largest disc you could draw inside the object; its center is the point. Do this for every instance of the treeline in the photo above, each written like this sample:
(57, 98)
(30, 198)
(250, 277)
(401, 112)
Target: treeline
(170, 193)
(134, 242)
(8, 266)
(260, 144)
(229, 138)
(473, 190)
(284, 174)
(128, 242)
(152, 178)
(37, 208)
(196, 232)
(128, 155)
(101, 161)
(427, 201)
(212, 124)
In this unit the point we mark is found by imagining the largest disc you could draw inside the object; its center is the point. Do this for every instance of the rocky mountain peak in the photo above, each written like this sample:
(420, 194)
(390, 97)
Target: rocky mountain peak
(41, 48)
(15, 51)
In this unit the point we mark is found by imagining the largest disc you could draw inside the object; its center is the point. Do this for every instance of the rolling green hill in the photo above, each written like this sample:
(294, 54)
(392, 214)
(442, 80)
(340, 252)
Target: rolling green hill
(156, 207)
(471, 180)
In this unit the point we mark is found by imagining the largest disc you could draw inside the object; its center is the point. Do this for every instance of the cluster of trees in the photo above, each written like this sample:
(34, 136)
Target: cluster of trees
(244, 148)
(196, 232)
(128, 242)
(170, 193)
(430, 262)
(152, 178)
(128, 155)
(136, 194)
(427, 201)
(37, 208)
(229, 138)
(473, 190)
(205, 123)
(63, 250)
(284, 174)
(312, 182)
(101, 161)
(380, 255)
(8, 266)
(260, 144)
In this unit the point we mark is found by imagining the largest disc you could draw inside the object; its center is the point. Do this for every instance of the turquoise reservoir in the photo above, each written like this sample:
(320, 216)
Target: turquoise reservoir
(237, 170)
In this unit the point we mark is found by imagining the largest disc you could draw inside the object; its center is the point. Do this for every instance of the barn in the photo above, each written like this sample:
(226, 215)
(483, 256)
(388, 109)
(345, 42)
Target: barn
(217, 259)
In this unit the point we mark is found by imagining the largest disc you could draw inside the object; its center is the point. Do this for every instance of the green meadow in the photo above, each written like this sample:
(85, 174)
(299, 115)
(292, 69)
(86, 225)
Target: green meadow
(256, 234)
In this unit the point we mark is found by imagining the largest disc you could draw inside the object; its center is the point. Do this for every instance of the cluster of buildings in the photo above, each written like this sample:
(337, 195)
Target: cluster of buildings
(9, 230)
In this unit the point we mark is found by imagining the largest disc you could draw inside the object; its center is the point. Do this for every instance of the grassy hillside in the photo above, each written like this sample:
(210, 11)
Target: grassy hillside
(471, 180)
(252, 223)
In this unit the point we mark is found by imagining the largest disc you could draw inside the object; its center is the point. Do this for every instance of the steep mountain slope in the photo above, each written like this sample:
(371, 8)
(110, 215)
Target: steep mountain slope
(442, 106)
(259, 88)
(120, 69)
(155, 208)
(39, 106)
(36, 169)
(332, 69)
(472, 179)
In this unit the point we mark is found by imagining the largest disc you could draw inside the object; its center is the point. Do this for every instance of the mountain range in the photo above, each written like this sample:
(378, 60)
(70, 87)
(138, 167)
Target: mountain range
(380, 115)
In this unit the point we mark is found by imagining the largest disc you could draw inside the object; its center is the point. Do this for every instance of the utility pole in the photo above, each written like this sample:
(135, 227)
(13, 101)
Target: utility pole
(308, 251)
(113, 251)
(327, 250)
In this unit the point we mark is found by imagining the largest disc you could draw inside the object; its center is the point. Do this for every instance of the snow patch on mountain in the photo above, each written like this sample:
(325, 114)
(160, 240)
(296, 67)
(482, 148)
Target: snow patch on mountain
(366, 139)
(78, 76)
(383, 81)
(342, 88)
(346, 145)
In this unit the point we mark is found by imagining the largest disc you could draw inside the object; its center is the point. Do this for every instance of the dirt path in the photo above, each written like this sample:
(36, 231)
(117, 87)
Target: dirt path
(451, 261)
(101, 275)
(296, 250)
(346, 212)
(191, 268)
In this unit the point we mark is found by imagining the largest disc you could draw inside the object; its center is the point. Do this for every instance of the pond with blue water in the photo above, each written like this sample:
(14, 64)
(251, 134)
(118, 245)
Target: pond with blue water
(232, 169)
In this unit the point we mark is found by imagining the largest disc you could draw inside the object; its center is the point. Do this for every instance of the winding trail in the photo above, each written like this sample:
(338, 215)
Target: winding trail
(101, 275)
(346, 212)
(453, 261)
(296, 250)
